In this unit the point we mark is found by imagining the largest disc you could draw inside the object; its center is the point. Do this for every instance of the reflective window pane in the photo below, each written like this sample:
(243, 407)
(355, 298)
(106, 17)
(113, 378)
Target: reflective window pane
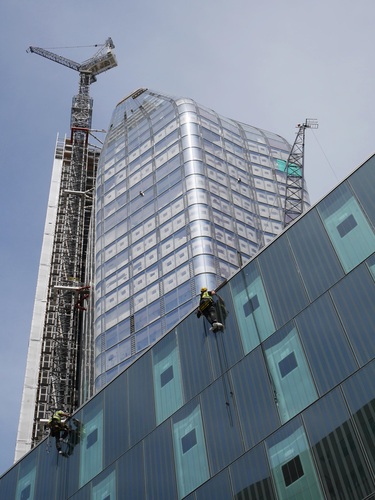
(131, 475)
(293, 384)
(327, 348)
(317, 261)
(189, 449)
(167, 377)
(347, 226)
(251, 477)
(252, 309)
(361, 181)
(221, 419)
(286, 292)
(357, 315)
(217, 488)
(292, 464)
(341, 463)
(251, 383)
(116, 413)
(158, 455)
(359, 392)
(141, 402)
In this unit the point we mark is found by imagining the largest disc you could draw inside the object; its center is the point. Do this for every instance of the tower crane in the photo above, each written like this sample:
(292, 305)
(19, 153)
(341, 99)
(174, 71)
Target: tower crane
(58, 379)
(294, 168)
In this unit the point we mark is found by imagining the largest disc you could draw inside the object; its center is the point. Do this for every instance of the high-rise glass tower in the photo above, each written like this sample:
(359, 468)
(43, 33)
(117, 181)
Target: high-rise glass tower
(184, 197)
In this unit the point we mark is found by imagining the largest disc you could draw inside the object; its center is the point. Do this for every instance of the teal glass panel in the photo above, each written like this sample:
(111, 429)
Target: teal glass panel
(131, 475)
(116, 412)
(341, 462)
(354, 300)
(252, 310)
(167, 377)
(8, 483)
(327, 348)
(292, 464)
(293, 169)
(251, 476)
(282, 281)
(362, 182)
(47, 473)
(347, 227)
(91, 444)
(316, 258)
(217, 488)
(359, 391)
(371, 265)
(26, 479)
(105, 488)
(140, 399)
(254, 398)
(220, 418)
(189, 449)
(290, 374)
(160, 480)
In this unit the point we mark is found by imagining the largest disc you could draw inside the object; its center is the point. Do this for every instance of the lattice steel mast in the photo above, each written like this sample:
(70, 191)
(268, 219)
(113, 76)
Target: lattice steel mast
(59, 363)
(294, 201)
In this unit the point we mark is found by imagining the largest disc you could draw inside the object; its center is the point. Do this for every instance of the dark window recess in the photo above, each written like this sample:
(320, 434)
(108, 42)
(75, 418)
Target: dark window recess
(188, 441)
(92, 438)
(25, 494)
(287, 364)
(166, 376)
(292, 470)
(107, 497)
(346, 226)
(251, 305)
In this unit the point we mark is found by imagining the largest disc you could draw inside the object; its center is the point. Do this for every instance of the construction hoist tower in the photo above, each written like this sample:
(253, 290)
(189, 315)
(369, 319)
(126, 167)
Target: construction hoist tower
(294, 168)
(68, 287)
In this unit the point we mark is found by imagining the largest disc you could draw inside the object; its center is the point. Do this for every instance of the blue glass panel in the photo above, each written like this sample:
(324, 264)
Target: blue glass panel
(363, 183)
(282, 280)
(159, 471)
(131, 475)
(317, 261)
(354, 300)
(359, 392)
(141, 399)
(327, 347)
(194, 353)
(221, 419)
(254, 398)
(217, 488)
(167, 377)
(252, 309)
(292, 464)
(347, 226)
(292, 380)
(189, 449)
(46, 480)
(91, 440)
(342, 465)
(116, 434)
(251, 476)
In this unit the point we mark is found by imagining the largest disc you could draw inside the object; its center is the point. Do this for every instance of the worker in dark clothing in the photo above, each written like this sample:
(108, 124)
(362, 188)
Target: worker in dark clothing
(208, 309)
(58, 428)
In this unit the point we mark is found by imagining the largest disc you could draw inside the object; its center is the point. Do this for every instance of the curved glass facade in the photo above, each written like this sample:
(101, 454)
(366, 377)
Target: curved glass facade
(184, 198)
(280, 405)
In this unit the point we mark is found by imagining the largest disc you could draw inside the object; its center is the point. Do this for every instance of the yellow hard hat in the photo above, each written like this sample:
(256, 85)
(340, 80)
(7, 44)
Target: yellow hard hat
(203, 289)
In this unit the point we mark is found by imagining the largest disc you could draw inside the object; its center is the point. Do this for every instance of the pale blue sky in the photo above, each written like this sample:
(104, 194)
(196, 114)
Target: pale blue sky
(270, 64)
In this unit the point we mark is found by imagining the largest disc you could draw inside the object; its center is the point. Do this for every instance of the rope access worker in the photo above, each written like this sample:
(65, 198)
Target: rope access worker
(208, 309)
(58, 428)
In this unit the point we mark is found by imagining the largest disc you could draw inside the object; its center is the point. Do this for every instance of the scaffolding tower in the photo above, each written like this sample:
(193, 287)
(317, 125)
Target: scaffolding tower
(68, 291)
